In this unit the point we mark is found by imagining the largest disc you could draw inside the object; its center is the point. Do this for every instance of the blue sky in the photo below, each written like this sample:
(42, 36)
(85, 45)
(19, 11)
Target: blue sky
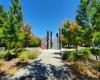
(46, 15)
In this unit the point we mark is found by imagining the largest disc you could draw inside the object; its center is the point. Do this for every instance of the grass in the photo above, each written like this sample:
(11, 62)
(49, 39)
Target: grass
(2, 63)
(84, 70)
(2, 54)
(25, 55)
(83, 54)
(96, 65)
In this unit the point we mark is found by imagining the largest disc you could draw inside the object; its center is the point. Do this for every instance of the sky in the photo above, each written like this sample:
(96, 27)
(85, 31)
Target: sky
(45, 15)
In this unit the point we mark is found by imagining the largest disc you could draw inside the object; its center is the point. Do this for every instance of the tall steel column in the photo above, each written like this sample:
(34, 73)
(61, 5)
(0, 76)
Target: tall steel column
(57, 43)
(47, 39)
(51, 40)
(59, 38)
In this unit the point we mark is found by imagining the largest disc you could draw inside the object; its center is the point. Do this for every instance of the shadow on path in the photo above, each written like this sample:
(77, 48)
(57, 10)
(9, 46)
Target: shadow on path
(40, 71)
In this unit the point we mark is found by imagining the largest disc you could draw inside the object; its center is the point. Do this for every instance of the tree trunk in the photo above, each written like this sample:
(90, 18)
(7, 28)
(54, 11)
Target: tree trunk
(76, 47)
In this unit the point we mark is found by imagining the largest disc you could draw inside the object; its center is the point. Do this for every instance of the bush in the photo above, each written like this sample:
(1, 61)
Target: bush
(86, 53)
(95, 51)
(70, 55)
(19, 50)
(23, 56)
(96, 65)
(65, 55)
(2, 54)
(84, 70)
(33, 55)
(73, 56)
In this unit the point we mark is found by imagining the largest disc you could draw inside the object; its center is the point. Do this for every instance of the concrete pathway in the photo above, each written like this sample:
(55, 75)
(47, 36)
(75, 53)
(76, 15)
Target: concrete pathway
(51, 57)
(48, 66)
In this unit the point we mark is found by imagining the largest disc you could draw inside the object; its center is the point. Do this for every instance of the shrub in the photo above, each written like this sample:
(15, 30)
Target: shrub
(70, 55)
(32, 55)
(84, 70)
(95, 51)
(73, 56)
(65, 55)
(19, 50)
(2, 54)
(96, 65)
(23, 56)
(86, 53)
(1, 63)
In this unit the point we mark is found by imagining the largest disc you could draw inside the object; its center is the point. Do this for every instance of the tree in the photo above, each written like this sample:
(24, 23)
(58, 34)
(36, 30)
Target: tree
(1, 23)
(87, 37)
(81, 16)
(72, 34)
(17, 22)
(13, 33)
(28, 34)
(90, 11)
(66, 34)
(76, 34)
(96, 18)
(96, 36)
(1, 16)
(88, 17)
(34, 42)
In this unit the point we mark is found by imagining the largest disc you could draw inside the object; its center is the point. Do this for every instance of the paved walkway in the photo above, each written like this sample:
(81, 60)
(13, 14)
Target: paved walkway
(51, 57)
(48, 66)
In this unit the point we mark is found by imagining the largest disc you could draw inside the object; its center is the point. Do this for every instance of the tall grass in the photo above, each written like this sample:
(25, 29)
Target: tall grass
(25, 55)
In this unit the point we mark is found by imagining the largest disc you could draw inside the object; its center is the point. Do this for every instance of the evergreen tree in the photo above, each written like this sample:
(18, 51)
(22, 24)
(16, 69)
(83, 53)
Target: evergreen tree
(81, 16)
(1, 24)
(1, 16)
(96, 19)
(17, 22)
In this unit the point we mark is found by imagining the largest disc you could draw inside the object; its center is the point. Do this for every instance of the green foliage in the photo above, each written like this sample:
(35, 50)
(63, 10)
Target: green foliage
(34, 42)
(1, 16)
(73, 56)
(87, 39)
(95, 51)
(96, 65)
(86, 53)
(67, 33)
(25, 55)
(70, 55)
(96, 36)
(88, 17)
(33, 55)
(66, 55)
(2, 54)
(72, 34)
(83, 54)
(90, 11)
(81, 16)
